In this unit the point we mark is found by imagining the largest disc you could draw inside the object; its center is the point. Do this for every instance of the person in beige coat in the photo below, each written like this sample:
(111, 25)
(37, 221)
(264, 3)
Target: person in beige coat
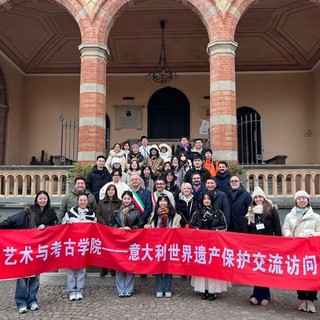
(302, 221)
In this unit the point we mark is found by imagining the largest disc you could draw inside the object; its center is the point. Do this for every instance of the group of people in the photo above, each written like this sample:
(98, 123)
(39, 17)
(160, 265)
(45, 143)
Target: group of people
(148, 187)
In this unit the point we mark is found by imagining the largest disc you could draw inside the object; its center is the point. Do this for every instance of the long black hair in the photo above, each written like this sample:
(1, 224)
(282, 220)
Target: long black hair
(106, 197)
(172, 211)
(46, 216)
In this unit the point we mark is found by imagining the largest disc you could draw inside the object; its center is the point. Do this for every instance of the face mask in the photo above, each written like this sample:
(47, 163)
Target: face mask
(183, 158)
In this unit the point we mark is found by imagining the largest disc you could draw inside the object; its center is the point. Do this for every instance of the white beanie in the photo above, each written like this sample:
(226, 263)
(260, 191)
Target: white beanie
(115, 160)
(258, 192)
(301, 193)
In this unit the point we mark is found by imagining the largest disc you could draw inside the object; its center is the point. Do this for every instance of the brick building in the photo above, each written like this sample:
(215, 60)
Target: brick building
(237, 62)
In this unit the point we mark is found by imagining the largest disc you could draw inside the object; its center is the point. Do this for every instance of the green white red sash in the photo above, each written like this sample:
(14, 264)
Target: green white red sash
(154, 196)
(137, 201)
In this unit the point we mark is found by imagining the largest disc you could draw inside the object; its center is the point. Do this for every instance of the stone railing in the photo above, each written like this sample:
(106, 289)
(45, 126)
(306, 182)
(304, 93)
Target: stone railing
(283, 180)
(275, 180)
(26, 181)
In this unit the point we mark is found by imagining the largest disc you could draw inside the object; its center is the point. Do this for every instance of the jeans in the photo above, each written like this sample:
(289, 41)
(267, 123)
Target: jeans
(76, 280)
(124, 282)
(163, 282)
(26, 291)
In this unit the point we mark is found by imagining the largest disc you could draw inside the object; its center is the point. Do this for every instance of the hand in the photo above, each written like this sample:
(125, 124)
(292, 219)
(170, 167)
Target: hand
(126, 228)
(147, 226)
(41, 227)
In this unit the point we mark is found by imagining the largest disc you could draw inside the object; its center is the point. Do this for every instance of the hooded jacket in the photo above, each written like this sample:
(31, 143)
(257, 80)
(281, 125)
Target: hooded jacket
(166, 156)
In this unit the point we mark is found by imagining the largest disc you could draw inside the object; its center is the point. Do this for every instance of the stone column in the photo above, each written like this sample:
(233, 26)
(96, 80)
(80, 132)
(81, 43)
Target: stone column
(223, 119)
(92, 110)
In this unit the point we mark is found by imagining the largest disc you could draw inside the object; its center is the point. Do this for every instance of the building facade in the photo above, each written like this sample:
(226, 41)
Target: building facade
(237, 62)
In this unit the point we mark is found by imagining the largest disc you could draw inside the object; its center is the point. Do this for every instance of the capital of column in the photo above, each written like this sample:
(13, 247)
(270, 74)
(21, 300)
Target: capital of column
(94, 50)
(222, 47)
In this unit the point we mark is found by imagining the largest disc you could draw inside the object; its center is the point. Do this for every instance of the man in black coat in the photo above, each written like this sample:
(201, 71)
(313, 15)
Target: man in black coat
(98, 177)
(239, 200)
(223, 177)
(197, 167)
(220, 199)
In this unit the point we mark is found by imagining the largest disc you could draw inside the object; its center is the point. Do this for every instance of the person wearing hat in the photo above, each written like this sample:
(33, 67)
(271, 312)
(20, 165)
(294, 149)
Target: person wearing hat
(165, 152)
(208, 162)
(135, 154)
(116, 152)
(197, 167)
(262, 218)
(155, 161)
(302, 221)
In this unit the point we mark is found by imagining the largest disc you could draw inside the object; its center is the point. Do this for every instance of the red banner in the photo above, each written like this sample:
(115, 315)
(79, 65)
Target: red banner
(242, 258)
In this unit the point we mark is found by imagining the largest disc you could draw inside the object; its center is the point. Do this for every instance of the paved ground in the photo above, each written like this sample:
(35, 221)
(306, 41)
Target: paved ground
(101, 302)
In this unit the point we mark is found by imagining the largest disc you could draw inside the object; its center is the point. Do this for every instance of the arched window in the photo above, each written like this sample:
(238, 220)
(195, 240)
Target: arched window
(168, 114)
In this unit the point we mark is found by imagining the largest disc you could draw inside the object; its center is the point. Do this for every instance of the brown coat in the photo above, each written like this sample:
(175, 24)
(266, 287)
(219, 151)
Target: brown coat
(105, 209)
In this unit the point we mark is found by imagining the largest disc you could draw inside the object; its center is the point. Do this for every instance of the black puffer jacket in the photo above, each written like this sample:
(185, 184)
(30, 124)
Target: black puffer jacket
(186, 209)
(209, 218)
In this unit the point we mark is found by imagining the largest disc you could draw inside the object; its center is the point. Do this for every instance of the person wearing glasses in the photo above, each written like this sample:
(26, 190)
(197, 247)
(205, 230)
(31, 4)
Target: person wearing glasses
(160, 188)
(239, 200)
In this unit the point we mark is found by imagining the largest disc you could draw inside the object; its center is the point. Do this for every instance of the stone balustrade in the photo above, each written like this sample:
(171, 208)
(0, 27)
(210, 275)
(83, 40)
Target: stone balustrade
(275, 180)
(283, 181)
(26, 181)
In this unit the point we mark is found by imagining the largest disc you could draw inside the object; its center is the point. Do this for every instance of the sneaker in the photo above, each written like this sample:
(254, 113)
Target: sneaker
(23, 310)
(121, 295)
(310, 307)
(264, 302)
(302, 305)
(113, 273)
(34, 306)
(254, 301)
(72, 296)
(159, 294)
(127, 294)
(168, 294)
(79, 296)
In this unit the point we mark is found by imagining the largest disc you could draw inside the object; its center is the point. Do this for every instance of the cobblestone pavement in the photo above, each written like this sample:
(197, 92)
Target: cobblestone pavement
(101, 302)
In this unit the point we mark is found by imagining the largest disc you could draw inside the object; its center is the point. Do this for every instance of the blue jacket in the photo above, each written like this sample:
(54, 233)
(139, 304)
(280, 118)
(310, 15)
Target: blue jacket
(145, 196)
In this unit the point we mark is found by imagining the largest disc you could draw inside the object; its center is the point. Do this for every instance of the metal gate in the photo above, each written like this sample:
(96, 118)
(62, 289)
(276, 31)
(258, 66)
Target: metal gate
(249, 125)
(69, 141)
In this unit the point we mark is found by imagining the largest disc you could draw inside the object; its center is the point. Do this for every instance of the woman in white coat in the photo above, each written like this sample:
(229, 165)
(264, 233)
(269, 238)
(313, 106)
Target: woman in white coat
(302, 221)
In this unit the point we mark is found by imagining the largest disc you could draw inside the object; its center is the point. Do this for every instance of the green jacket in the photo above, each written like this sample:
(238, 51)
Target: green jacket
(71, 200)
